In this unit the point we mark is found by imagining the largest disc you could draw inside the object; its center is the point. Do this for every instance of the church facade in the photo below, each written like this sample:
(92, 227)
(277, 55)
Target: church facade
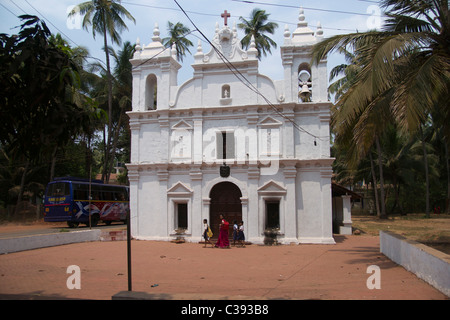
(231, 141)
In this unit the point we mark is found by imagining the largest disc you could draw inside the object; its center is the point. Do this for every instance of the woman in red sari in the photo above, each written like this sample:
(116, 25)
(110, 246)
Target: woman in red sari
(223, 241)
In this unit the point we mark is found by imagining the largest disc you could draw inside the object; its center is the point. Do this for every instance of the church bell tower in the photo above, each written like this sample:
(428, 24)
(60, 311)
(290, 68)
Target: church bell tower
(303, 82)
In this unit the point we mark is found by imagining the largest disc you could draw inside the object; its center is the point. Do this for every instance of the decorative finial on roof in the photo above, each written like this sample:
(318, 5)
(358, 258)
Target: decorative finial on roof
(252, 51)
(199, 54)
(319, 31)
(301, 18)
(156, 33)
(174, 50)
(138, 45)
(287, 33)
(199, 46)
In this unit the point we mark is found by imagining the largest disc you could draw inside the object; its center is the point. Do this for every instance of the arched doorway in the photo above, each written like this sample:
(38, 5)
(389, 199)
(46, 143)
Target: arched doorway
(225, 199)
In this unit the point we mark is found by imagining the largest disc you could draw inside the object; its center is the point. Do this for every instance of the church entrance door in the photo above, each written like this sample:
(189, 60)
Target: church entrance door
(225, 200)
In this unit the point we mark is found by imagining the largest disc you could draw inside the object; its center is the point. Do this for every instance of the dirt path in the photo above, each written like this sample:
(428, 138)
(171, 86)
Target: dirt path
(287, 272)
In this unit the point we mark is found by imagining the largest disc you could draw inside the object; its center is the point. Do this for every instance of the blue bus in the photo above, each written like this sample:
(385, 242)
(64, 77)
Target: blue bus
(68, 199)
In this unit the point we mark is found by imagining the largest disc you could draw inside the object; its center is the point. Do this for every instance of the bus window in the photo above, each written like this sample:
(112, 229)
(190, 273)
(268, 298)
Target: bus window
(96, 192)
(80, 191)
(120, 195)
(107, 195)
(58, 189)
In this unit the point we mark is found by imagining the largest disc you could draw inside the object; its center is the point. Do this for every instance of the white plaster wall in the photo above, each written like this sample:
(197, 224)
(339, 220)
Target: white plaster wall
(151, 215)
(427, 263)
(304, 143)
(314, 212)
(152, 148)
(206, 91)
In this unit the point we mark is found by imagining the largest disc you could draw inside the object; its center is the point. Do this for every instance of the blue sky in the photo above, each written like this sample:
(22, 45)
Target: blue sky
(336, 17)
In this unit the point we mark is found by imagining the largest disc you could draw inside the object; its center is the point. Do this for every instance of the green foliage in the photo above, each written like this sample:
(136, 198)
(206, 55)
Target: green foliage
(38, 111)
(257, 26)
(178, 33)
(392, 104)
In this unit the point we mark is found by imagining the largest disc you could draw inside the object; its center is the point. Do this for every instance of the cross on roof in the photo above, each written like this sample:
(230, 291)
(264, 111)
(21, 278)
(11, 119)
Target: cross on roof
(225, 15)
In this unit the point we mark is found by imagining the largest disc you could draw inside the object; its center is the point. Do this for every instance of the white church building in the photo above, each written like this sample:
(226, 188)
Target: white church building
(231, 141)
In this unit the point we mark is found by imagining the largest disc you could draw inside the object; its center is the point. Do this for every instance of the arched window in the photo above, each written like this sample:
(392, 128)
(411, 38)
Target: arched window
(150, 92)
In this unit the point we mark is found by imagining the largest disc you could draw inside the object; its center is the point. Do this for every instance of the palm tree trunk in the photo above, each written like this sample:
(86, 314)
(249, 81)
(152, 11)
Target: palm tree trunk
(22, 185)
(447, 203)
(114, 144)
(374, 184)
(52, 166)
(380, 167)
(105, 175)
(427, 178)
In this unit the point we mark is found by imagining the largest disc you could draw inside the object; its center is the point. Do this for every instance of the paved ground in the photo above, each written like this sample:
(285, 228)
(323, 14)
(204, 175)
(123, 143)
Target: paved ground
(190, 271)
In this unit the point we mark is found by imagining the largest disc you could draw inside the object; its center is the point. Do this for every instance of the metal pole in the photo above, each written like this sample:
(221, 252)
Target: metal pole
(90, 181)
(129, 249)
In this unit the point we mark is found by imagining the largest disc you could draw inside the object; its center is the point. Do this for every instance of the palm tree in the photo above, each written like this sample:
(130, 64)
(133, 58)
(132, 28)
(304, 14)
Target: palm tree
(257, 26)
(410, 56)
(178, 34)
(359, 129)
(349, 70)
(404, 72)
(105, 17)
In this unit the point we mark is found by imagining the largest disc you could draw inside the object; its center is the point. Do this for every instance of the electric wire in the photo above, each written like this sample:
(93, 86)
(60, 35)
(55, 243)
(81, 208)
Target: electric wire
(307, 8)
(246, 82)
(214, 15)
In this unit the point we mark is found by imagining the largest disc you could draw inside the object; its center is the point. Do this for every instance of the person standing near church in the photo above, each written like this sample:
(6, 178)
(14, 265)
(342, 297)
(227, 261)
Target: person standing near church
(235, 232)
(206, 232)
(241, 236)
(223, 241)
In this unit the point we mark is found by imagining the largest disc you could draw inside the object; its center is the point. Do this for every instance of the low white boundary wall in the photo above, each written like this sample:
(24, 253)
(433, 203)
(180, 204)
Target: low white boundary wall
(47, 240)
(430, 265)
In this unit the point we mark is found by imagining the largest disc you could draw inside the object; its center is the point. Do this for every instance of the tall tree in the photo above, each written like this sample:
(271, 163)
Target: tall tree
(178, 33)
(405, 71)
(37, 80)
(411, 56)
(257, 27)
(105, 17)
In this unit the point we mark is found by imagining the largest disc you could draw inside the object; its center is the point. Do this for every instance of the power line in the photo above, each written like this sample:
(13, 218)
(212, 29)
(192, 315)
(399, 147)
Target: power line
(8, 10)
(52, 23)
(157, 54)
(245, 81)
(307, 8)
(65, 35)
(214, 15)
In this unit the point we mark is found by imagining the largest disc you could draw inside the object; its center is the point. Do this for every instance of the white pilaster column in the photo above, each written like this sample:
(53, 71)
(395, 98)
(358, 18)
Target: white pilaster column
(290, 208)
(327, 214)
(162, 215)
(165, 137)
(288, 141)
(197, 140)
(133, 177)
(197, 208)
(254, 216)
(346, 228)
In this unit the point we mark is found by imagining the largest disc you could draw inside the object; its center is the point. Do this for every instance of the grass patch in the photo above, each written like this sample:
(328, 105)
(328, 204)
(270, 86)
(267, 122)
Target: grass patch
(430, 231)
